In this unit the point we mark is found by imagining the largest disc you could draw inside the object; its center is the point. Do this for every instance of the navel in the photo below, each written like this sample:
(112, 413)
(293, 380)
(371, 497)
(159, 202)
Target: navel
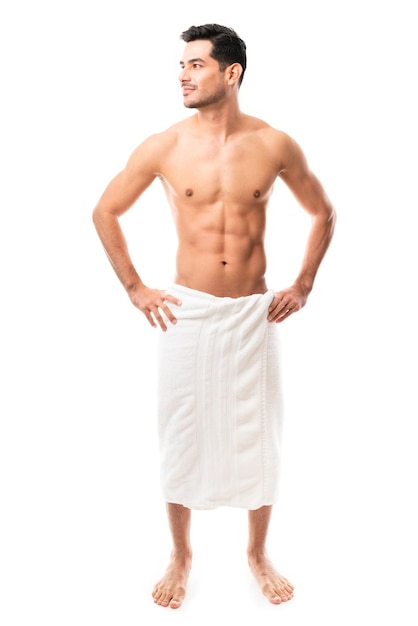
(189, 192)
(223, 263)
(256, 193)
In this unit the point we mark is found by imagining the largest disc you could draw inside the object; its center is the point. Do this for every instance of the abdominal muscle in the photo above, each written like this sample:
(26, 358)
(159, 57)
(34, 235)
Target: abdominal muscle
(221, 241)
(232, 270)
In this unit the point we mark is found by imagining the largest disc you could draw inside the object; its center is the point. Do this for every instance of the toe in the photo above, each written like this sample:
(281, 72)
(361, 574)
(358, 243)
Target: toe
(275, 599)
(271, 594)
(177, 598)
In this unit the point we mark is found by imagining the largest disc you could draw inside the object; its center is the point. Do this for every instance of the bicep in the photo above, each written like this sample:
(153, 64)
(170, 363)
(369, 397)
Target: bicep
(303, 183)
(122, 192)
(126, 187)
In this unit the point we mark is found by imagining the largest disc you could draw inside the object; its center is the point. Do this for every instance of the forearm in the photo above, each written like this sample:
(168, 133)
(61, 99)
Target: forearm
(319, 239)
(116, 248)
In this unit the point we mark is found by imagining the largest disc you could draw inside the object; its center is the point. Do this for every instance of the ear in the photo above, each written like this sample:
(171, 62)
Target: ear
(233, 72)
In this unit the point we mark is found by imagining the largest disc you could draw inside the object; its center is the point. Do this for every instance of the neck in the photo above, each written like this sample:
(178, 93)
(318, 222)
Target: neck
(219, 119)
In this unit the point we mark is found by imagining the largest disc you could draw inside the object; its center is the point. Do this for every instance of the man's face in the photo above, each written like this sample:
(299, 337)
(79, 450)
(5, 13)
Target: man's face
(201, 80)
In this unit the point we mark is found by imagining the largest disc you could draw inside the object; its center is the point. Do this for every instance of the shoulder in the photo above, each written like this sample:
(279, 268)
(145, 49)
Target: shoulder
(151, 151)
(282, 148)
(156, 143)
(278, 139)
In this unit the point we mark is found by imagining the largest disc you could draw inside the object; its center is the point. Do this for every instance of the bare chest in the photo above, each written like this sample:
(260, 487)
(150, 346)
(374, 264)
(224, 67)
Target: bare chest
(207, 173)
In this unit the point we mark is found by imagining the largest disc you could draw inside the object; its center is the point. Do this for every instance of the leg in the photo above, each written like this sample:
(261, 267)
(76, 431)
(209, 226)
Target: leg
(171, 589)
(274, 586)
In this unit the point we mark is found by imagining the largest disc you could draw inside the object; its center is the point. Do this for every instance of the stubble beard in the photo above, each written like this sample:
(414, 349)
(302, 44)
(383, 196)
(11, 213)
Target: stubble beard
(206, 100)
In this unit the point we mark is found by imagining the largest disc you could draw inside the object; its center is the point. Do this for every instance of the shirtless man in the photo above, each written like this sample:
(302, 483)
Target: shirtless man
(218, 168)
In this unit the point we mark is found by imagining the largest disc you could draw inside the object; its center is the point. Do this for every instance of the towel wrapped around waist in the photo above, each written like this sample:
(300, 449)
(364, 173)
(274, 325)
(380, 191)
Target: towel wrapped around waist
(219, 402)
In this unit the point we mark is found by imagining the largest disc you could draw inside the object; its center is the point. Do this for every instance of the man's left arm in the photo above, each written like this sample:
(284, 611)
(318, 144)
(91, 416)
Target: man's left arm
(311, 195)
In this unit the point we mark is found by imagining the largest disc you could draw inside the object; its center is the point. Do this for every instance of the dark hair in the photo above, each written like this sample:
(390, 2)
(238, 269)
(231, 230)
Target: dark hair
(227, 47)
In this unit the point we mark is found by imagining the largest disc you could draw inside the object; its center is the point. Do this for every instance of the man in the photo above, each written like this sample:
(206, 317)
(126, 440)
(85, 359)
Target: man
(219, 381)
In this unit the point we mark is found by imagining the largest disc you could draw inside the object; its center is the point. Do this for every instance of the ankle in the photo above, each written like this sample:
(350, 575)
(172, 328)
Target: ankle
(256, 553)
(183, 554)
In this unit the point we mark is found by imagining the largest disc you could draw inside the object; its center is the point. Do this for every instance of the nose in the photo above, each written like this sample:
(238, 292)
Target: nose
(184, 76)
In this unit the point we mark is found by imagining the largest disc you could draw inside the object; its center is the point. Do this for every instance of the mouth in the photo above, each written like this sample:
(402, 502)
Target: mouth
(186, 89)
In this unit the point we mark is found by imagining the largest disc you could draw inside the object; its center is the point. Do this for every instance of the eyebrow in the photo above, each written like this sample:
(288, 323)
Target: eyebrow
(190, 61)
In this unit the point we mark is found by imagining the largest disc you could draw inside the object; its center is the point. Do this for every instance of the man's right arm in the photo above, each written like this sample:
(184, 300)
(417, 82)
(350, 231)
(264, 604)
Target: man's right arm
(119, 197)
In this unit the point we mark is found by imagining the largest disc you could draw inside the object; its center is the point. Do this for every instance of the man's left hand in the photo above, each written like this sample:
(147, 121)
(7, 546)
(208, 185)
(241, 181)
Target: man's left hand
(286, 302)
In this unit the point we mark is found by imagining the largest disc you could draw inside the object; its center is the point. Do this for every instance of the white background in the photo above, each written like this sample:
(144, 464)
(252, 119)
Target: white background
(83, 528)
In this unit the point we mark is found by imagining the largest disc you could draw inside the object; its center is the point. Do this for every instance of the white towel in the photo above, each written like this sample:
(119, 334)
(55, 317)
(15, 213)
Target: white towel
(219, 402)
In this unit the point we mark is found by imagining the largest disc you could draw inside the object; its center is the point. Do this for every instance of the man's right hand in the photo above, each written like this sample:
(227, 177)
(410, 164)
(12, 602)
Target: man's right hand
(152, 302)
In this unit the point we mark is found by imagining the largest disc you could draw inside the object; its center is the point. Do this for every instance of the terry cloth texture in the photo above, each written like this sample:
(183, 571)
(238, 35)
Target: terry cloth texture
(219, 402)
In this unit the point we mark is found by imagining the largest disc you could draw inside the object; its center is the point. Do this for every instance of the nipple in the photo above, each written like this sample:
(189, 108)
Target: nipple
(189, 192)
(256, 193)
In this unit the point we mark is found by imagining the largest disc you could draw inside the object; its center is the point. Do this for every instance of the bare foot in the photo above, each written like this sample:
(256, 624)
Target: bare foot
(275, 587)
(171, 589)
